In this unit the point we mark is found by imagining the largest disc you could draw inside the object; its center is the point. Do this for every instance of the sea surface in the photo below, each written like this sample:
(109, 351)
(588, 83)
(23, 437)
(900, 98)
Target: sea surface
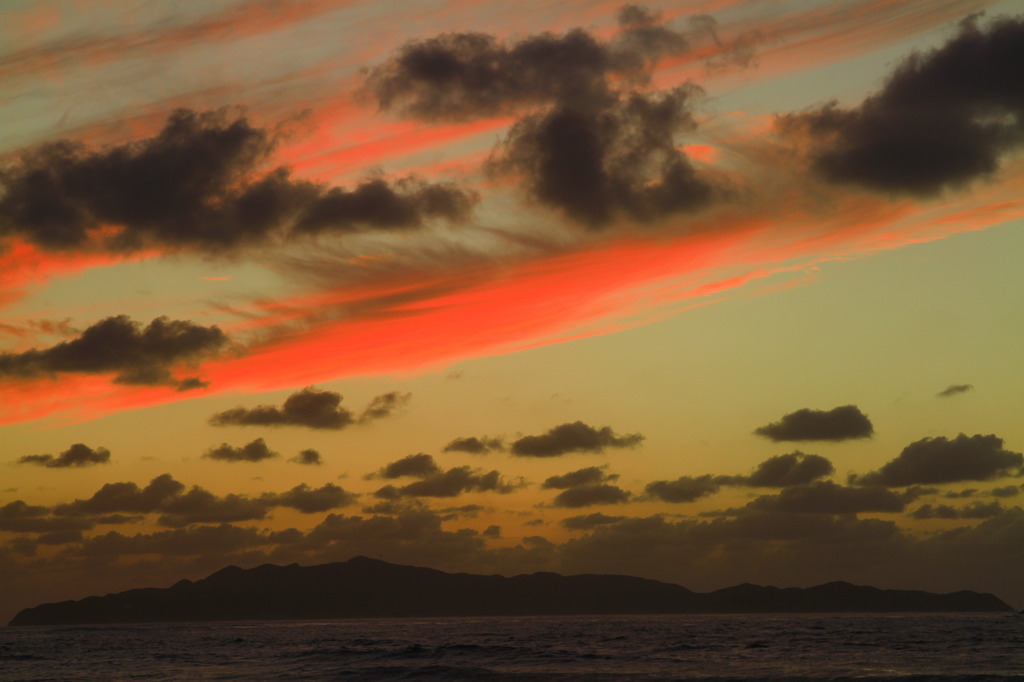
(905, 647)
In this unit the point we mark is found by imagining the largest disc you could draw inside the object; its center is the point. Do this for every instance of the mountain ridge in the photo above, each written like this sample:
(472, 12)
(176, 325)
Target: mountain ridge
(366, 587)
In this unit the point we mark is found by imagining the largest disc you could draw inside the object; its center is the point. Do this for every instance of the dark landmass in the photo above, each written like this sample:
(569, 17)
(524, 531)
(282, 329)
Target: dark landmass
(364, 587)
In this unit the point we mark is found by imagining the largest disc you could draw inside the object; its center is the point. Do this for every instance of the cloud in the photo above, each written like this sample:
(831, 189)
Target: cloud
(975, 510)
(954, 389)
(311, 500)
(790, 469)
(589, 521)
(250, 452)
(126, 497)
(21, 517)
(940, 460)
(464, 76)
(584, 476)
(1005, 491)
(179, 508)
(419, 465)
(309, 457)
(311, 408)
(611, 160)
(202, 506)
(474, 445)
(137, 355)
(451, 483)
(589, 495)
(839, 423)
(78, 455)
(944, 118)
(826, 497)
(684, 488)
(385, 405)
(194, 185)
(594, 144)
(308, 407)
(573, 437)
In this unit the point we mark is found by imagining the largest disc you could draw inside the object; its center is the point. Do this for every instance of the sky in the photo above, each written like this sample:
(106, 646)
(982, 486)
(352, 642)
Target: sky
(708, 292)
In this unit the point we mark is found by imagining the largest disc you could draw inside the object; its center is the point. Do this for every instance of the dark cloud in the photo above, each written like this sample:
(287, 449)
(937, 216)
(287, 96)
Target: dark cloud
(311, 408)
(202, 506)
(594, 144)
(78, 455)
(250, 452)
(308, 457)
(451, 483)
(119, 345)
(311, 500)
(940, 460)
(463, 76)
(179, 508)
(419, 465)
(493, 532)
(469, 511)
(589, 521)
(385, 405)
(573, 437)
(954, 389)
(474, 445)
(790, 469)
(826, 497)
(840, 423)
(126, 497)
(620, 159)
(308, 407)
(590, 495)
(584, 476)
(21, 517)
(1005, 491)
(684, 488)
(975, 510)
(944, 118)
(195, 185)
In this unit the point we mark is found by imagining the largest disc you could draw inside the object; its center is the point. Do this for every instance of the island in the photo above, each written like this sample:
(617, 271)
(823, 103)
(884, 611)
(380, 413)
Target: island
(363, 587)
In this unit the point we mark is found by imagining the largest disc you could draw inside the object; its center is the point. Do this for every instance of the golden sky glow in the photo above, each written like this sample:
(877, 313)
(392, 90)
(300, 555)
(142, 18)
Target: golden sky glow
(555, 262)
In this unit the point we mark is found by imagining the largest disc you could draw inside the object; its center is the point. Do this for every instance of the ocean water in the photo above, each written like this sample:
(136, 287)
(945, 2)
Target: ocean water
(905, 647)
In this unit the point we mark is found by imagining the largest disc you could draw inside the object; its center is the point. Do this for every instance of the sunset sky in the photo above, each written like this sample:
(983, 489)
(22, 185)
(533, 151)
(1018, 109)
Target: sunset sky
(710, 292)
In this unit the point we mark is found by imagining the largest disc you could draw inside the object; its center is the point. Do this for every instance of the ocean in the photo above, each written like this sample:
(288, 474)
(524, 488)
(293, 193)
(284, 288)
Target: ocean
(905, 647)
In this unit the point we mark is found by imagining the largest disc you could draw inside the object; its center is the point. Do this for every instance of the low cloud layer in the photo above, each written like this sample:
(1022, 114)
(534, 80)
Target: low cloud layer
(684, 488)
(253, 451)
(308, 457)
(790, 469)
(78, 455)
(591, 495)
(975, 510)
(826, 497)
(451, 483)
(176, 505)
(941, 460)
(838, 424)
(474, 445)
(586, 476)
(419, 465)
(117, 345)
(311, 408)
(944, 118)
(196, 185)
(573, 437)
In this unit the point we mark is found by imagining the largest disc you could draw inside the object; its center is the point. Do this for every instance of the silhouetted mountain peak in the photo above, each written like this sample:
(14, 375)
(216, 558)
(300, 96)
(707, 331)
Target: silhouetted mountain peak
(366, 587)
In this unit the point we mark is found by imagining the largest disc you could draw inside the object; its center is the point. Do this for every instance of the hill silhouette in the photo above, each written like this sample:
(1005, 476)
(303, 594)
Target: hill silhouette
(363, 587)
